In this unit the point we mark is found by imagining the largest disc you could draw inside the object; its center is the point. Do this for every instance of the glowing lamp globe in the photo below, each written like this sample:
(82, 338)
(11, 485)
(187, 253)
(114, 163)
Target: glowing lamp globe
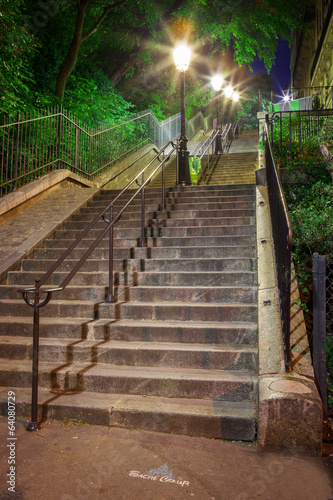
(235, 96)
(182, 56)
(217, 82)
(228, 91)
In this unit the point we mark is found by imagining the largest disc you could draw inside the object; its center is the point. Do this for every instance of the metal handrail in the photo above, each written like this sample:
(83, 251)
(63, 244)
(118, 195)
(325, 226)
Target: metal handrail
(37, 290)
(282, 242)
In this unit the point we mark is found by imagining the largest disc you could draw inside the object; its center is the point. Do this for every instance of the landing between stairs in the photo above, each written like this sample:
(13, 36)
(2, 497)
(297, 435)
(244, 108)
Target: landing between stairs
(178, 351)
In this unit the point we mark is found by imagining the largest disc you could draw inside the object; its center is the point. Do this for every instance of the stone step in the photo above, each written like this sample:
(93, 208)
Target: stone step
(171, 278)
(171, 214)
(183, 265)
(91, 265)
(193, 192)
(233, 293)
(220, 385)
(121, 353)
(147, 265)
(209, 294)
(197, 241)
(151, 253)
(160, 311)
(174, 222)
(171, 232)
(230, 333)
(192, 202)
(173, 311)
(55, 308)
(191, 417)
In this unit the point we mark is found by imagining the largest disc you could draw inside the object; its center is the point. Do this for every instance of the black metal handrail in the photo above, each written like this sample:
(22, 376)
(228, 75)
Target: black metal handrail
(282, 242)
(37, 290)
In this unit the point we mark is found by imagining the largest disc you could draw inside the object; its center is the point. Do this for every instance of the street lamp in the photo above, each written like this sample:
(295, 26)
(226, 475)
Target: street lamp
(228, 92)
(217, 82)
(235, 98)
(182, 56)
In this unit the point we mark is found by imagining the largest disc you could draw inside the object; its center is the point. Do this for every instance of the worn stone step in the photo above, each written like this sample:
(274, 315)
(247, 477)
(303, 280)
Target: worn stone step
(181, 232)
(87, 293)
(197, 204)
(89, 266)
(201, 221)
(190, 417)
(208, 294)
(54, 252)
(178, 311)
(221, 385)
(152, 253)
(233, 293)
(197, 241)
(180, 278)
(55, 308)
(172, 214)
(188, 231)
(115, 352)
(231, 333)
(80, 279)
(167, 222)
(183, 265)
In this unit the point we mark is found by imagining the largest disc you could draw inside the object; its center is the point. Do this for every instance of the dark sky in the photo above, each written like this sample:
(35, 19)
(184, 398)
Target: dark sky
(280, 71)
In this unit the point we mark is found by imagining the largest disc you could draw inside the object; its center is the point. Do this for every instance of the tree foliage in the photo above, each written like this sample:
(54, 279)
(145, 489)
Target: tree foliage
(16, 46)
(63, 47)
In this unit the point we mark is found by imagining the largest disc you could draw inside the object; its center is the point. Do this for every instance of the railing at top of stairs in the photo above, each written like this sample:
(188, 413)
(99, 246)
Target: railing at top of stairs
(38, 290)
(35, 143)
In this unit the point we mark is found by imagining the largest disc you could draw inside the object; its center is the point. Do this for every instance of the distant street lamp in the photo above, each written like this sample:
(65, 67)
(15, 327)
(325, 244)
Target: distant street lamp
(217, 82)
(182, 56)
(235, 98)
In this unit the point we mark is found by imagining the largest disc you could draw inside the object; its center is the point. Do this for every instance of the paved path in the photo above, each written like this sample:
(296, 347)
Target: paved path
(72, 462)
(22, 232)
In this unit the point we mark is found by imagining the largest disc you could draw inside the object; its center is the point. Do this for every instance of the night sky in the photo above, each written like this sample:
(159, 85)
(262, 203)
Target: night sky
(280, 72)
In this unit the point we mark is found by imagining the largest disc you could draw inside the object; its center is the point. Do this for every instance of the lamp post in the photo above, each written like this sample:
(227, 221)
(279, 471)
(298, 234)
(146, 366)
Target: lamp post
(182, 56)
(217, 81)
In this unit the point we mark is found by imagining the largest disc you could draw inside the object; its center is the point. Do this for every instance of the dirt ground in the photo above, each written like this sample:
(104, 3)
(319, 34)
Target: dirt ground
(75, 461)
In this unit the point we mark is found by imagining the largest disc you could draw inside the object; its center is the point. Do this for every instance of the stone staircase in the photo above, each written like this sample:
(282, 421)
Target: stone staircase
(178, 351)
(231, 168)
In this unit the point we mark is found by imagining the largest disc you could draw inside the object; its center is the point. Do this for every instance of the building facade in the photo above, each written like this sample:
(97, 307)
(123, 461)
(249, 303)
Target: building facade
(312, 56)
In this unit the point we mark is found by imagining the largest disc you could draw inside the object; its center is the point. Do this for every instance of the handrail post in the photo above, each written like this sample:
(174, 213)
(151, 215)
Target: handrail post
(177, 167)
(110, 298)
(163, 186)
(143, 236)
(34, 424)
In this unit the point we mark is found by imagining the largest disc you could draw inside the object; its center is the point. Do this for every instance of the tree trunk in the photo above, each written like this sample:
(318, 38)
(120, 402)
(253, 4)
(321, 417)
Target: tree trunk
(327, 157)
(73, 52)
(71, 58)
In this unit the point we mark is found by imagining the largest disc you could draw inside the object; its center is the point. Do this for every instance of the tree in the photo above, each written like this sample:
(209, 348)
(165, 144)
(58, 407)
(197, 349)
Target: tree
(78, 37)
(16, 47)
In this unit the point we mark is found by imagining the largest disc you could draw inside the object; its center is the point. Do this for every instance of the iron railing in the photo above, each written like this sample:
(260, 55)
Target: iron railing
(295, 136)
(218, 142)
(322, 273)
(282, 241)
(39, 290)
(33, 144)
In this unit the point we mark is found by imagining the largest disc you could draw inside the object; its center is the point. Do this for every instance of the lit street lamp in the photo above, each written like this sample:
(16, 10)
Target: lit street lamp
(217, 82)
(182, 56)
(235, 98)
